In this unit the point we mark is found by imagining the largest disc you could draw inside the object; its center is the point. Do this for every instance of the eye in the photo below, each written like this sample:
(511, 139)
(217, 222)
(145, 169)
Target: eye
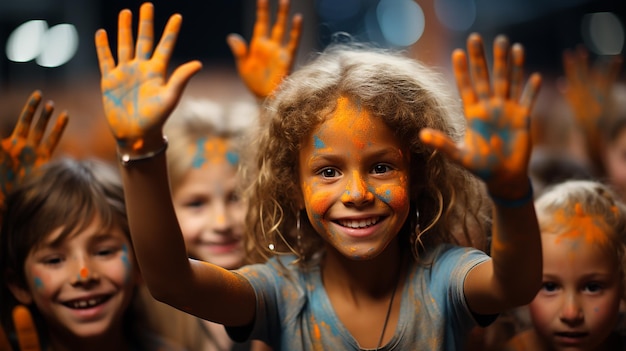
(549, 287)
(107, 251)
(195, 203)
(329, 173)
(234, 198)
(593, 287)
(381, 168)
(52, 260)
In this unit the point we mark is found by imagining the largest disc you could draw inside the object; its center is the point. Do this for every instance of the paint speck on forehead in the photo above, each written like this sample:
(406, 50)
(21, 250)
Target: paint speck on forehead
(212, 151)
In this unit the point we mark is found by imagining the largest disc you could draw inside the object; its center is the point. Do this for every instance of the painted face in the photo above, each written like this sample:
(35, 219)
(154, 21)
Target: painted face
(354, 176)
(82, 285)
(209, 210)
(578, 305)
(615, 160)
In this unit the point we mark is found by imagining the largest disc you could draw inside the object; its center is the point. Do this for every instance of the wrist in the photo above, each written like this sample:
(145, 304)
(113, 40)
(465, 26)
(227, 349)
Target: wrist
(514, 201)
(141, 149)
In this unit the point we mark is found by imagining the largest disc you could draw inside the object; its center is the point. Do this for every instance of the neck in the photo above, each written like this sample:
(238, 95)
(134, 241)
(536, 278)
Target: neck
(113, 340)
(373, 277)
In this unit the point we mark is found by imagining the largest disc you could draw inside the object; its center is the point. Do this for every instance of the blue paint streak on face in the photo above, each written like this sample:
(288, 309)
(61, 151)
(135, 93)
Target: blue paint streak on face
(126, 262)
(38, 283)
(386, 197)
(319, 144)
(199, 158)
(232, 158)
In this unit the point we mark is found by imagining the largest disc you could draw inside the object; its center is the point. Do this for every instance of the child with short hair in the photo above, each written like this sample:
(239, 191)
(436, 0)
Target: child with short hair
(66, 253)
(583, 232)
(352, 176)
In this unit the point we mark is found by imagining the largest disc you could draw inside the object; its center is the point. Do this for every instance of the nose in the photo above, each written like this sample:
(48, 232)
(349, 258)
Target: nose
(85, 274)
(219, 218)
(571, 312)
(357, 193)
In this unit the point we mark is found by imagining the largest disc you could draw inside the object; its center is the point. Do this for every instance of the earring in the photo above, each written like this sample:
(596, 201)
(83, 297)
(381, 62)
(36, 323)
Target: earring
(417, 223)
(298, 235)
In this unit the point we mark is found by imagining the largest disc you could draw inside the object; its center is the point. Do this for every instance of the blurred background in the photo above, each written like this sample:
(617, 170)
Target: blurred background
(48, 44)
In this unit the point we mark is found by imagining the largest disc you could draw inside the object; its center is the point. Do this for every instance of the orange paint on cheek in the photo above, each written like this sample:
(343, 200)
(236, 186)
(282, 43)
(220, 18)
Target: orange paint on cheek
(319, 202)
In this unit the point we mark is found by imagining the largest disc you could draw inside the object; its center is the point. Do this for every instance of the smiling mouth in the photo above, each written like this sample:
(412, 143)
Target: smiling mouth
(81, 304)
(571, 335)
(359, 223)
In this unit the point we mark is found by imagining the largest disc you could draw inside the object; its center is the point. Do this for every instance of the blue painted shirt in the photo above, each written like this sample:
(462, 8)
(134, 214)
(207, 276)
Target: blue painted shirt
(294, 312)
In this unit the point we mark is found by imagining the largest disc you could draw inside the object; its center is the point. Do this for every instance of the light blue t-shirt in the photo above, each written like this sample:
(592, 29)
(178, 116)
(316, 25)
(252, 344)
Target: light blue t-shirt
(295, 313)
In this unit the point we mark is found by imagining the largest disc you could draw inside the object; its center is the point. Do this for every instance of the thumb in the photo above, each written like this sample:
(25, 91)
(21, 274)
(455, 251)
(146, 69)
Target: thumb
(237, 45)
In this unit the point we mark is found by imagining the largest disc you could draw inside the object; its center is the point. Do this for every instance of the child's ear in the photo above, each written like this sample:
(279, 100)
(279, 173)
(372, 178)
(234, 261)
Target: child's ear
(21, 293)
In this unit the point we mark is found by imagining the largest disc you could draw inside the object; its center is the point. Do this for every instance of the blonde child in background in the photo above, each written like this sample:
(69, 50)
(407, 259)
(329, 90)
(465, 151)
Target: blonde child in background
(359, 164)
(207, 140)
(66, 253)
(583, 233)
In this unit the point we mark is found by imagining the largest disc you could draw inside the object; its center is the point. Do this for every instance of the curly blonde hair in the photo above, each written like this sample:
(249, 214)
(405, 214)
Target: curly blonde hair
(594, 199)
(407, 96)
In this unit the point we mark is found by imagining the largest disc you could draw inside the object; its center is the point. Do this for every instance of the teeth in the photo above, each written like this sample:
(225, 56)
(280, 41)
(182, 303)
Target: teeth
(361, 223)
(85, 303)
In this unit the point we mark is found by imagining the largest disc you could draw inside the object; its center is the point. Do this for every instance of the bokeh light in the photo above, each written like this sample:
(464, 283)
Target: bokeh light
(59, 46)
(603, 33)
(456, 15)
(401, 22)
(24, 43)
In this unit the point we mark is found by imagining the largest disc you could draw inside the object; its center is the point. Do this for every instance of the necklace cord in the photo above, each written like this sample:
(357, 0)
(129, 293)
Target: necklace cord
(393, 294)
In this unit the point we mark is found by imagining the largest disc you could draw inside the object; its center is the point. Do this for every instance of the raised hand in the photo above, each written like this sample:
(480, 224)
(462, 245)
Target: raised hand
(497, 143)
(136, 94)
(25, 330)
(264, 64)
(588, 92)
(26, 149)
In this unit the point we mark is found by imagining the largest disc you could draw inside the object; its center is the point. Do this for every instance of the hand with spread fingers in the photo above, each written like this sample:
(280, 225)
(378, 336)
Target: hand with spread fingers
(268, 59)
(25, 331)
(588, 91)
(497, 143)
(26, 149)
(137, 95)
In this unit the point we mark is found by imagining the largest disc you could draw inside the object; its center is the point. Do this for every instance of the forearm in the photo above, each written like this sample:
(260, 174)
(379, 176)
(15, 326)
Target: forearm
(516, 252)
(157, 238)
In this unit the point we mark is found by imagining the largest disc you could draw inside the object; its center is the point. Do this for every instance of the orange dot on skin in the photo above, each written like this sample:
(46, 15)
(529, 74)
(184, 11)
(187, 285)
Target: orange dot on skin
(84, 272)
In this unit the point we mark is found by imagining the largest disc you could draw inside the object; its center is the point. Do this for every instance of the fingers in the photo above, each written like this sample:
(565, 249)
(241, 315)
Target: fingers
(438, 140)
(279, 28)
(164, 49)
(463, 80)
(4, 341)
(40, 127)
(238, 46)
(517, 71)
(181, 76)
(55, 135)
(478, 65)
(501, 67)
(124, 37)
(529, 96)
(294, 36)
(105, 58)
(262, 20)
(25, 328)
(26, 117)
(145, 34)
